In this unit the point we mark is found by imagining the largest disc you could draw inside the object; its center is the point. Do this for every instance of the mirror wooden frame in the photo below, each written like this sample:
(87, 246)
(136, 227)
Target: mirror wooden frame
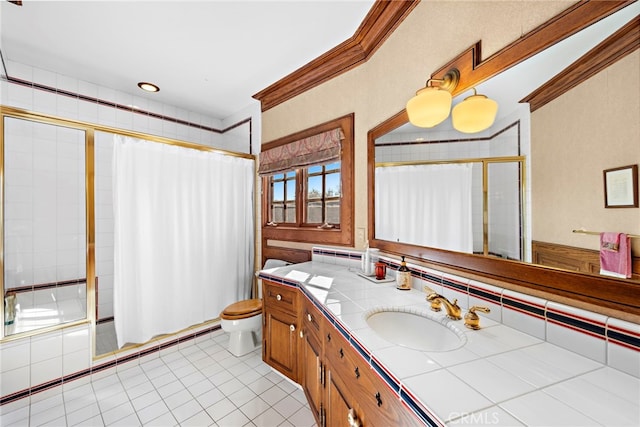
(601, 294)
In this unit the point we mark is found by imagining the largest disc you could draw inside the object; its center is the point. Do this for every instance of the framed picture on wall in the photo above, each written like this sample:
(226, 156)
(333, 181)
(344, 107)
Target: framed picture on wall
(621, 187)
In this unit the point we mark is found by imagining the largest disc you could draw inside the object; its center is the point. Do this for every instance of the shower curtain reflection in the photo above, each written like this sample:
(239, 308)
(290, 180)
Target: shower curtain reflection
(427, 205)
(183, 236)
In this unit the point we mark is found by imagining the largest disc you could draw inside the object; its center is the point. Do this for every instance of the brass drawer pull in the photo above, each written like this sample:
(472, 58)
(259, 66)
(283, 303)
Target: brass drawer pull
(309, 317)
(279, 297)
(352, 419)
(292, 328)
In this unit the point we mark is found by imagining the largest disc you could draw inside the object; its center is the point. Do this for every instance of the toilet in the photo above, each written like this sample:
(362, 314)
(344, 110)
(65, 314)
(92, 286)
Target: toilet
(243, 320)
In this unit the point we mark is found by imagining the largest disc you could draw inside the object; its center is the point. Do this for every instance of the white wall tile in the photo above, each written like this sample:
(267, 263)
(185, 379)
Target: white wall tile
(75, 339)
(47, 346)
(46, 370)
(621, 355)
(495, 307)
(76, 361)
(522, 320)
(15, 380)
(452, 292)
(13, 355)
(567, 337)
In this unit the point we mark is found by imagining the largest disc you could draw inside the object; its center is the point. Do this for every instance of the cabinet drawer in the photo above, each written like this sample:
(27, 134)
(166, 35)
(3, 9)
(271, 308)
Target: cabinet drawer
(280, 297)
(380, 406)
(311, 318)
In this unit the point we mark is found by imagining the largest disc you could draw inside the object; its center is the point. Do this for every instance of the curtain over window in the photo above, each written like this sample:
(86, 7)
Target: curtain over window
(314, 150)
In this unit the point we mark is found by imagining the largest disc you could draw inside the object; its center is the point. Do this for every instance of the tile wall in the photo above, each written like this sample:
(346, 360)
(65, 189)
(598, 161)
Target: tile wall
(608, 340)
(44, 223)
(30, 366)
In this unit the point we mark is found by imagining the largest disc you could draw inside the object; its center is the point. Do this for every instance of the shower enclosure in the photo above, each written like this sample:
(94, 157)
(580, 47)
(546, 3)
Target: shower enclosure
(44, 224)
(56, 221)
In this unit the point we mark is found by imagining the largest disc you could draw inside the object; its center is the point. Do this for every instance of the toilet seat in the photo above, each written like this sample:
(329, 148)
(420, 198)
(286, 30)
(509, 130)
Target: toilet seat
(242, 309)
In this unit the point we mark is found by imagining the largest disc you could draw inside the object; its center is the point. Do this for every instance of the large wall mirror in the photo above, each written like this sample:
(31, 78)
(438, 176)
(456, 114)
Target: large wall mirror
(510, 206)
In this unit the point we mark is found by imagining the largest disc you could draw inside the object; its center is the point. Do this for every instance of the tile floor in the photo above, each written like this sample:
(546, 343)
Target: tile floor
(201, 384)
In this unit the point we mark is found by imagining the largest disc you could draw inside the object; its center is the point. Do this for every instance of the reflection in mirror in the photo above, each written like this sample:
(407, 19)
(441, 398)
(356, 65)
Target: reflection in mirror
(501, 218)
(44, 245)
(571, 143)
(464, 195)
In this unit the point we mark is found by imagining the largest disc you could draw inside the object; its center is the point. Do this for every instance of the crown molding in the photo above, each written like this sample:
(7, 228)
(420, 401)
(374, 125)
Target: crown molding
(620, 44)
(383, 18)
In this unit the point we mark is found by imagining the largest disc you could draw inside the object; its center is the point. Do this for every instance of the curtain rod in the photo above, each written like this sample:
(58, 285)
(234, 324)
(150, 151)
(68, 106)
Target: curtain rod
(596, 233)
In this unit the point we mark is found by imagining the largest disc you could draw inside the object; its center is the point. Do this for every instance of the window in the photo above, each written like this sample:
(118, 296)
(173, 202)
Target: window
(309, 201)
(323, 195)
(320, 186)
(283, 198)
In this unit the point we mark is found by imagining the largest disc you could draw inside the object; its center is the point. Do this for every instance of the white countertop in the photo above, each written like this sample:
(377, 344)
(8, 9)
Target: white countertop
(500, 376)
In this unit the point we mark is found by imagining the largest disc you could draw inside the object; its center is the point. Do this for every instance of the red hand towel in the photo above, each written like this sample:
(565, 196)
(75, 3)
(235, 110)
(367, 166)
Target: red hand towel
(615, 255)
(610, 241)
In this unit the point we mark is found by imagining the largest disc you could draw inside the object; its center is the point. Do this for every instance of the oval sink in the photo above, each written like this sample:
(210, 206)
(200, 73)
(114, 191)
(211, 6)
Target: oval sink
(415, 330)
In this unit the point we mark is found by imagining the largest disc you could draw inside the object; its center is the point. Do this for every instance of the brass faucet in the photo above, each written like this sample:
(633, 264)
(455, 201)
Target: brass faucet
(453, 310)
(471, 319)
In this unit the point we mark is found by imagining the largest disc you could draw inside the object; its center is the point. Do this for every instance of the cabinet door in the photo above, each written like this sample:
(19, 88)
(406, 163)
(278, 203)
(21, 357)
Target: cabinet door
(312, 372)
(279, 343)
(339, 403)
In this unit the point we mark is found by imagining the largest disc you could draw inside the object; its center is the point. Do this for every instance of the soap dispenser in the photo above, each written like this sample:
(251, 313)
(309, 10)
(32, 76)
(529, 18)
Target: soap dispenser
(403, 277)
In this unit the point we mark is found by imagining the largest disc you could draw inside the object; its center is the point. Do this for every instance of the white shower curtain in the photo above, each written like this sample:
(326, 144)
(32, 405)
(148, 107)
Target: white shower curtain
(183, 236)
(428, 205)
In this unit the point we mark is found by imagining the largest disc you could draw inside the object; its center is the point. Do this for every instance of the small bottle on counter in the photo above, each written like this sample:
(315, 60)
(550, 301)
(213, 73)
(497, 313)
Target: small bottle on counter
(403, 277)
(366, 261)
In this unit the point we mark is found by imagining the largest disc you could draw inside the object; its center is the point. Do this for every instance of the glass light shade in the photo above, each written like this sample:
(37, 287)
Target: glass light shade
(430, 107)
(476, 113)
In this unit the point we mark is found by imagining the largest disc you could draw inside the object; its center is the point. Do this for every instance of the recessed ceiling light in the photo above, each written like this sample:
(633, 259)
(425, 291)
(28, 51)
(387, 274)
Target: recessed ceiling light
(149, 87)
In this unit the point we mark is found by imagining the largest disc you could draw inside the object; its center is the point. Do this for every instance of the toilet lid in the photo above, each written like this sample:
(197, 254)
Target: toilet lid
(242, 309)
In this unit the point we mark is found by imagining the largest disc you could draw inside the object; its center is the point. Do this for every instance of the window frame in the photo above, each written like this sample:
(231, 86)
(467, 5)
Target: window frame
(310, 233)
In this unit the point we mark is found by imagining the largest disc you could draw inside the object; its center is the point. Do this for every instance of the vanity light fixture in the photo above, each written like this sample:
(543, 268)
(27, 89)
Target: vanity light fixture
(149, 87)
(432, 104)
(475, 114)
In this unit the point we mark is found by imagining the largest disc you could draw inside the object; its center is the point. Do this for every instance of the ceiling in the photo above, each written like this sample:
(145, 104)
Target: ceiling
(208, 57)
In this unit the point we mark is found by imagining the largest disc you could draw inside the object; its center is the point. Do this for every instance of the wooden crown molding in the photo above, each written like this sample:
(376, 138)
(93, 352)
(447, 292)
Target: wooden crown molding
(383, 18)
(623, 42)
(474, 70)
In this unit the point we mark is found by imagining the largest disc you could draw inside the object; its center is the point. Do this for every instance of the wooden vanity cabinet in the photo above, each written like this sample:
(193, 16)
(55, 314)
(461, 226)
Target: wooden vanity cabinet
(280, 328)
(312, 367)
(340, 385)
(353, 386)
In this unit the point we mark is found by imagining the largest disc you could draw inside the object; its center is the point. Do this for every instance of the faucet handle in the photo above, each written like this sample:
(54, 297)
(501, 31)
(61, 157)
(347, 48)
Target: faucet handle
(471, 319)
(436, 303)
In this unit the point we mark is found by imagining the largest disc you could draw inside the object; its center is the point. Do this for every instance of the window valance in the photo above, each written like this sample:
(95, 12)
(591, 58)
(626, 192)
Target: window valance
(321, 148)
